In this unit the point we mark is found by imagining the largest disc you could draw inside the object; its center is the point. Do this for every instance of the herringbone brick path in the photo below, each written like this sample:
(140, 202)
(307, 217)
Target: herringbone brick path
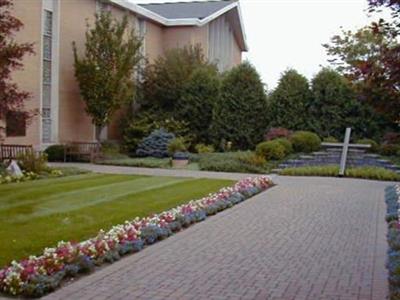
(307, 238)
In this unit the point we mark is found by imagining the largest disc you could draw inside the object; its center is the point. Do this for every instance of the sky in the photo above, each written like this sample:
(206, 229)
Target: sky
(284, 34)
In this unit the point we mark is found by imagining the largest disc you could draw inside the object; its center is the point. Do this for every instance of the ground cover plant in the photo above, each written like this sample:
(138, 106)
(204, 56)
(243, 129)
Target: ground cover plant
(392, 197)
(359, 172)
(39, 275)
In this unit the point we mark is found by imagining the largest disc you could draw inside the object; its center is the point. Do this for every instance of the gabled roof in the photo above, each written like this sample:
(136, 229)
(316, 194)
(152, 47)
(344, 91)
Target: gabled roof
(196, 13)
(187, 10)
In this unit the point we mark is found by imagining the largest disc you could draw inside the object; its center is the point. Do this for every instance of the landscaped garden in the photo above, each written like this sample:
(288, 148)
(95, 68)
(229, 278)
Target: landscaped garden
(77, 207)
(41, 213)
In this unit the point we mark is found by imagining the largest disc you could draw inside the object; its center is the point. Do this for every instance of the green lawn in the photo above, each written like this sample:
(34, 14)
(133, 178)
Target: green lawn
(38, 214)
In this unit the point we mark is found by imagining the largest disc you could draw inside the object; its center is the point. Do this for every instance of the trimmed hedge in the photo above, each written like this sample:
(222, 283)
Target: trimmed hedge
(305, 141)
(55, 153)
(271, 150)
(360, 172)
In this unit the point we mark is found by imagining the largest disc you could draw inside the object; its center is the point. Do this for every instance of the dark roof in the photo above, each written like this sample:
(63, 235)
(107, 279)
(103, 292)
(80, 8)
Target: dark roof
(187, 10)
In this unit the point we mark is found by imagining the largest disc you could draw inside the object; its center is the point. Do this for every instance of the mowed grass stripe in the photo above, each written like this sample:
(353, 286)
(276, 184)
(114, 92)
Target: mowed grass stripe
(21, 239)
(28, 194)
(84, 198)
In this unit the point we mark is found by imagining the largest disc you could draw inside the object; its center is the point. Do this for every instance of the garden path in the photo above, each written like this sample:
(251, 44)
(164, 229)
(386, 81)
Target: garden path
(307, 238)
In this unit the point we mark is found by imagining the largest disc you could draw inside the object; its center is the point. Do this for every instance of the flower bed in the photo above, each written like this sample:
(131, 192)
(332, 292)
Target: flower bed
(393, 262)
(38, 275)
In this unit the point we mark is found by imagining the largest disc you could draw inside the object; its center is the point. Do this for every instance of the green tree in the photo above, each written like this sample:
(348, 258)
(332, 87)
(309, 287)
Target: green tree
(12, 99)
(105, 72)
(368, 59)
(164, 81)
(240, 112)
(197, 102)
(334, 107)
(287, 103)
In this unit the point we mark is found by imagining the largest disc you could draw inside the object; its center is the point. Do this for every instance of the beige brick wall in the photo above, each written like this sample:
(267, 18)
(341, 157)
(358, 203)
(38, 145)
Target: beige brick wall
(175, 37)
(74, 123)
(28, 78)
(154, 41)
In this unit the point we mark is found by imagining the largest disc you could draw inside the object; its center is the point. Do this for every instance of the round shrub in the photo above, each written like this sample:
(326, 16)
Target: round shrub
(202, 148)
(155, 145)
(285, 143)
(55, 153)
(374, 145)
(271, 150)
(305, 141)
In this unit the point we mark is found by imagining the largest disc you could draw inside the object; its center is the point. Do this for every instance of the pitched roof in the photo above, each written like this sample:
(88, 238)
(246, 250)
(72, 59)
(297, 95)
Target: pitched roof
(197, 13)
(187, 10)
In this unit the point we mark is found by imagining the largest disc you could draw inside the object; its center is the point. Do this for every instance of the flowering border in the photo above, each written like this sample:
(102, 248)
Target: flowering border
(392, 198)
(39, 275)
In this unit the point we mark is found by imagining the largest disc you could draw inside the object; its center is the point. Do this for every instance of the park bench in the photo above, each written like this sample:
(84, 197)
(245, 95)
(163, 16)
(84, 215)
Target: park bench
(9, 152)
(89, 150)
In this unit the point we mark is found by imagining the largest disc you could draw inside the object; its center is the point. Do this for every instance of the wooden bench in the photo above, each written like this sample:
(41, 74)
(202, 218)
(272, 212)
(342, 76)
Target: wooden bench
(91, 150)
(9, 152)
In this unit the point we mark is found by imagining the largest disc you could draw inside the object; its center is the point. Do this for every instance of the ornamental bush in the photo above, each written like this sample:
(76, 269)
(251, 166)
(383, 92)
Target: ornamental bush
(202, 148)
(156, 144)
(374, 145)
(277, 132)
(305, 141)
(176, 145)
(55, 153)
(33, 162)
(271, 150)
(285, 143)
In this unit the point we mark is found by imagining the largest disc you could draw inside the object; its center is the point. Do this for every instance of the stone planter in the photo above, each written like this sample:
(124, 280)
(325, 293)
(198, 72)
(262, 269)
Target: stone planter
(180, 160)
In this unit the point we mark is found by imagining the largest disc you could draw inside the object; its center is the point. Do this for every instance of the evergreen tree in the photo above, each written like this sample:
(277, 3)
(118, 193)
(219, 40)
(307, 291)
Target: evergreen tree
(287, 103)
(105, 73)
(334, 107)
(240, 112)
(197, 102)
(165, 80)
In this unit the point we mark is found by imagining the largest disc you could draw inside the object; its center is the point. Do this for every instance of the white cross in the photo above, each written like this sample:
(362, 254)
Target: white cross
(345, 146)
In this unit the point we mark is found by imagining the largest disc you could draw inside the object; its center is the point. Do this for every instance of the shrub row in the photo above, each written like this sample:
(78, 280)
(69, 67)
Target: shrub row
(360, 172)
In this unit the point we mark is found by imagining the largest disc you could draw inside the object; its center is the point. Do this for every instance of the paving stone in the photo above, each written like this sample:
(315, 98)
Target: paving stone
(307, 238)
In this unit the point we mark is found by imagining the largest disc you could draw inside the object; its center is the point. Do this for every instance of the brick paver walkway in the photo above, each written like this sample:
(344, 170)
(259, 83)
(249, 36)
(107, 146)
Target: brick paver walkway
(308, 238)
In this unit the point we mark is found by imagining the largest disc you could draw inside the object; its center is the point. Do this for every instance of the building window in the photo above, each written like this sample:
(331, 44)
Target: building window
(15, 124)
(47, 75)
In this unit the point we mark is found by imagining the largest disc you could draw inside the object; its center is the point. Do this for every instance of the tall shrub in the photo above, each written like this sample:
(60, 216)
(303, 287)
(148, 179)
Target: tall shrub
(240, 112)
(334, 107)
(288, 102)
(105, 71)
(165, 80)
(197, 102)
